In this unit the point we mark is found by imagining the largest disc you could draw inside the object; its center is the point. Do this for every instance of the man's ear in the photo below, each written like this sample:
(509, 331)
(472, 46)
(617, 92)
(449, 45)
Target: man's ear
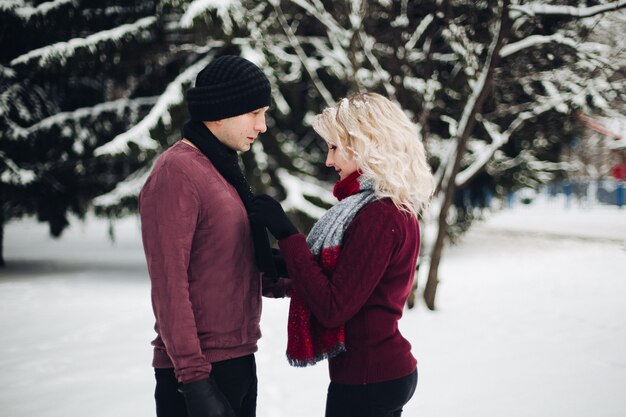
(211, 123)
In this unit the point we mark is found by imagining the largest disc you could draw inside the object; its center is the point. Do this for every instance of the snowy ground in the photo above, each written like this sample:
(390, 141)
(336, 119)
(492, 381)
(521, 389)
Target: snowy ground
(531, 322)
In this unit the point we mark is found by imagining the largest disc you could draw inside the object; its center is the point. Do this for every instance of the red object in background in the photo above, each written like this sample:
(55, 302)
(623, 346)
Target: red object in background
(619, 172)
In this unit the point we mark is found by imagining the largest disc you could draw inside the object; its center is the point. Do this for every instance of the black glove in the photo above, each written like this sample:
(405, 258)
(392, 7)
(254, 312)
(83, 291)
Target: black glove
(269, 211)
(279, 262)
(204, 399)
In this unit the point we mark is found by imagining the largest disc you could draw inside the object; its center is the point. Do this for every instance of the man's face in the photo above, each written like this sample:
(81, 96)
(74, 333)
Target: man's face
(239, 132)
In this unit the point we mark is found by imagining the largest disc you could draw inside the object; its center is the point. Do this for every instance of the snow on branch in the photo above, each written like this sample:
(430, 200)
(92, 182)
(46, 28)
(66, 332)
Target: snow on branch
(199, 7)
(78, 115)
(368, 43)
(129, 188)
(297, 188)
(536, 9)
(457, 39)
(536, 40)
(480, 89)
(6, 72)
(419, 31)
(302, 56)
(62, 51)
(14, 175)
(6, 5)
(140, 133)
(25, 13)
(498, 139)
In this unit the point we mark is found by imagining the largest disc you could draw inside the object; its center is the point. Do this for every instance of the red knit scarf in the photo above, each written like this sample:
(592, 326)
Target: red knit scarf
(308, 341)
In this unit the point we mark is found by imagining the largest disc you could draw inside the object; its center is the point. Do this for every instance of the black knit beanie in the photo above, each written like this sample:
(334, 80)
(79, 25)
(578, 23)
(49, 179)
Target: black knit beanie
(228, 86)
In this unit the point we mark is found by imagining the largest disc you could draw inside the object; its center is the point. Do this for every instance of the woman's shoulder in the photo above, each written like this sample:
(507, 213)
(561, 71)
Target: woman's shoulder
(385, 211)
(382, 220)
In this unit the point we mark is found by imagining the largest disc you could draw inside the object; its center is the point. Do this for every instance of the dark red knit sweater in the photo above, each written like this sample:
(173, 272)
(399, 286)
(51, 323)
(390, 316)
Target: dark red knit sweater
(366, 292)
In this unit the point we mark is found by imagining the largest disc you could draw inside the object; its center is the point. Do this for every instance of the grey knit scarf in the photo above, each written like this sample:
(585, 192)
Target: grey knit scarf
(329, 230)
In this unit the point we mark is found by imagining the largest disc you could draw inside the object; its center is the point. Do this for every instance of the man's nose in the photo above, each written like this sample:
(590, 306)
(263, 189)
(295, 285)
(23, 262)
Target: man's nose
(261, 126)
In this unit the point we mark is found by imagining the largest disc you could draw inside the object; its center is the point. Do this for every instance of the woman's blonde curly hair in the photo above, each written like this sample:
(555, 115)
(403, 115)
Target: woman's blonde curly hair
(386, 147)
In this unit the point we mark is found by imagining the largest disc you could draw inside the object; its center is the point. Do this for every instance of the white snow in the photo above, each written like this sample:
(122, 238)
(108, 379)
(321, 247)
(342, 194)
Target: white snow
(296, 189)
(129, 188)
(26, 12)
(531, 321)
(14, 175)
(536, 40)
(533, 9)
(419, 31)
(79, 115)
(199, 7)
(62, 51)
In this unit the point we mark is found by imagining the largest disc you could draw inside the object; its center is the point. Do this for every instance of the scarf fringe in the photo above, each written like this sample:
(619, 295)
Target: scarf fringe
(302, 363)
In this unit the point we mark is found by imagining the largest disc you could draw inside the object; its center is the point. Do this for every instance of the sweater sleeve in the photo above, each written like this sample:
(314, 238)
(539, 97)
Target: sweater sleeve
(368, 246)
(169, 208)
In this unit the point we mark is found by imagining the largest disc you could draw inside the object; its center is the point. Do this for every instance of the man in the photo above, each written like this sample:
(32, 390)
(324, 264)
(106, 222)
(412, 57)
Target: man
(200, 249)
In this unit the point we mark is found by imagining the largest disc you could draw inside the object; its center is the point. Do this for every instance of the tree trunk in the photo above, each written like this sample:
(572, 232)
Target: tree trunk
(430, 290)
(465, 127)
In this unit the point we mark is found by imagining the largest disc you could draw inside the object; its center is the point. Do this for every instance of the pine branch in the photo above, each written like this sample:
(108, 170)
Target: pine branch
(25, 13)
(127, 189)
(83, 116)
(14, 175)
(140, 134)
(199, 7)
(60, 53)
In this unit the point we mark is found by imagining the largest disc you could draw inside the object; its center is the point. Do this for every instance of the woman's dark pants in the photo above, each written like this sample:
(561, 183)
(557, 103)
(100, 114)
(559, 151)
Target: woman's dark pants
(381, 399)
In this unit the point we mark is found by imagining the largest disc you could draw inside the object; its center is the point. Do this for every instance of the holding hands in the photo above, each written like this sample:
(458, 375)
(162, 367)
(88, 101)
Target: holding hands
(268, 211)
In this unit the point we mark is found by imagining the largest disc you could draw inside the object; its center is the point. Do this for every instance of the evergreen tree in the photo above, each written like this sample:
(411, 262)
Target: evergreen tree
(493, 87)
(73, 75)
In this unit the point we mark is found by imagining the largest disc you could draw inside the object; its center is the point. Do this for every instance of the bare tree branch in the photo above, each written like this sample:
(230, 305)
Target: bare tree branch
(536, 9)
(328, 98)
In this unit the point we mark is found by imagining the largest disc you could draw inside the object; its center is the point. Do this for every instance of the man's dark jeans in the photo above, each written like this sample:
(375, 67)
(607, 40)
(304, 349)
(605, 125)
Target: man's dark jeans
(236, 378)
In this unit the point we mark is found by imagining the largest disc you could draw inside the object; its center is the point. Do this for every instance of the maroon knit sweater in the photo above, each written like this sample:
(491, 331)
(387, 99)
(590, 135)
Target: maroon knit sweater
(206, 288)
(366, 291)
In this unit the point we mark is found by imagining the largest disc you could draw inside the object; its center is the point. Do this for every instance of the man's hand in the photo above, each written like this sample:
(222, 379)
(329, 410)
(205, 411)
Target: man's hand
(269, 212)
(204, 399)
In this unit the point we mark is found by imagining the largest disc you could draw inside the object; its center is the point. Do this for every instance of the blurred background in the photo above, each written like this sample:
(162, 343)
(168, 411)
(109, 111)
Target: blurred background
(521, 106)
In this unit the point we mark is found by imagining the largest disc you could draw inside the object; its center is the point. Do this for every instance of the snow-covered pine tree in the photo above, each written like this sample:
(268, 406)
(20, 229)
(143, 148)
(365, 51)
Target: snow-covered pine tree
(74, 75)
(502, 110)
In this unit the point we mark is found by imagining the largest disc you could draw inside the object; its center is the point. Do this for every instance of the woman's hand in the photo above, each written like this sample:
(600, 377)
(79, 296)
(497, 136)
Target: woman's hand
(269, 212)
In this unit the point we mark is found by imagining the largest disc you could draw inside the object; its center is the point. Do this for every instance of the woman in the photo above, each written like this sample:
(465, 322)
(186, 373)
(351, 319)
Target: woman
(352, 274)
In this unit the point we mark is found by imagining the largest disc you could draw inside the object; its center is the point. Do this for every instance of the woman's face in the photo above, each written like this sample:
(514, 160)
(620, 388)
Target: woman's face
(342, 164)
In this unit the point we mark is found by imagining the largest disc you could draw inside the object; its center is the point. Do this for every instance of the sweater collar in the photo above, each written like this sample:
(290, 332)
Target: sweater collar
(347, 186)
